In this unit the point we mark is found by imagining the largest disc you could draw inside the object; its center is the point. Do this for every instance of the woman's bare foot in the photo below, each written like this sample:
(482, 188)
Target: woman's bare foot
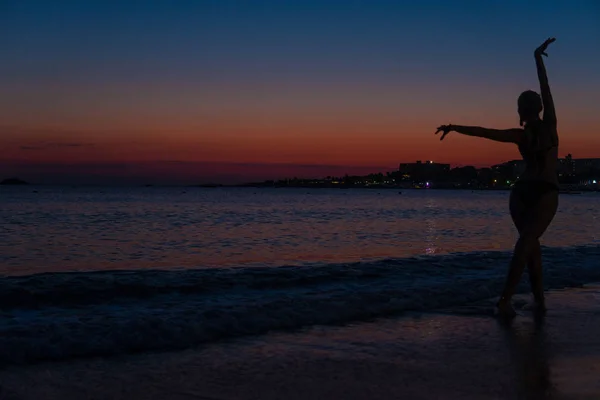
(540, 307)
(536, 306)
(504, 309)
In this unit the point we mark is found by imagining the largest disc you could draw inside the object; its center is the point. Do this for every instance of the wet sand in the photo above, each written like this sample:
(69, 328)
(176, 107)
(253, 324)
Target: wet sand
(455, 354)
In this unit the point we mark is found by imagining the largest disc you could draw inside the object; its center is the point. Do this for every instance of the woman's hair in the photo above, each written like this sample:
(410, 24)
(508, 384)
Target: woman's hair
(530, 104)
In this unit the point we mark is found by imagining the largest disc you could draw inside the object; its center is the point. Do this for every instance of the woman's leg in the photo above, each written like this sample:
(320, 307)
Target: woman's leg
(518, 212)
(534, 224)
(536, 279)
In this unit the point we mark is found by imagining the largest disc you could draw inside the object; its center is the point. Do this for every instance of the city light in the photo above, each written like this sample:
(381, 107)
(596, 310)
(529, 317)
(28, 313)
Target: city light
(582, 175)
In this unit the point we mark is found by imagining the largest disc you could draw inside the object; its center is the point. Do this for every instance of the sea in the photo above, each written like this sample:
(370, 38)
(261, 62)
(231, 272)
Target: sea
(98, 271)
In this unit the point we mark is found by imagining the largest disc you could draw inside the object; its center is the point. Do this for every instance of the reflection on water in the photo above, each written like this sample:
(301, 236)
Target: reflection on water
(431, 206)
(93, 228)
(531, 359)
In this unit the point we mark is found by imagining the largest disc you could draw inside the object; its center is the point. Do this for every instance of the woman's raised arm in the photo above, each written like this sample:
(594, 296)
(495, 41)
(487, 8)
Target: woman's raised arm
(549, 111)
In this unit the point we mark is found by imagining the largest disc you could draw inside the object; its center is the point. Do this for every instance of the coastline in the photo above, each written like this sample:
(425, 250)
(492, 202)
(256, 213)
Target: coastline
(565, 189)
(374, 187)
(449, 354)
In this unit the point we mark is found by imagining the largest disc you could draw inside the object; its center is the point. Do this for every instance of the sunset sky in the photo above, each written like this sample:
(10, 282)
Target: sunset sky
(231, 91)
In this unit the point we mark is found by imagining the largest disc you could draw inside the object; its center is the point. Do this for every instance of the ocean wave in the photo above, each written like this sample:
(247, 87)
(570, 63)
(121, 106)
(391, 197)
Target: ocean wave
(55, 316)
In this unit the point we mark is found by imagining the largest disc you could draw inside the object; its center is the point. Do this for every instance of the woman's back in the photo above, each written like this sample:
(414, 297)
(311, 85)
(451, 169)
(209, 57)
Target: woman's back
(539, 149)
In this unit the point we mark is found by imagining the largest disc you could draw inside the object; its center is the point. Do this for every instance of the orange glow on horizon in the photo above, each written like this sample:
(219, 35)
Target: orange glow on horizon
(341, 145)
(273, 140)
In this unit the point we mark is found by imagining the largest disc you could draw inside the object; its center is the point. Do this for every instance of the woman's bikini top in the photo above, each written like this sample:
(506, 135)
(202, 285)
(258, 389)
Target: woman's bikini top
(536, 145)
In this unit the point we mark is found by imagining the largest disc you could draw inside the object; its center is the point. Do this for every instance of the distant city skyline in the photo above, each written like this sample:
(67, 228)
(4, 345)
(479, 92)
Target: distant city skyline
(235, 91)
(130, 175)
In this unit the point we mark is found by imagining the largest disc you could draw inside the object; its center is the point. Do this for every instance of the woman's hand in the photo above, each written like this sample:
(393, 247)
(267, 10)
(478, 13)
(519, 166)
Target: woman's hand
(445, 129)
(541, 51)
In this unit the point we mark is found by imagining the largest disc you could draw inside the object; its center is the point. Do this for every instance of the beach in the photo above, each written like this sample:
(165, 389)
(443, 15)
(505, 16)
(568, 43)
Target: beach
(448, 354)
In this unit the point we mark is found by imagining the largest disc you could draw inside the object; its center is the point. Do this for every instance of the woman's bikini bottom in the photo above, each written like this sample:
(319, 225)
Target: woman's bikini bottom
(530, 192)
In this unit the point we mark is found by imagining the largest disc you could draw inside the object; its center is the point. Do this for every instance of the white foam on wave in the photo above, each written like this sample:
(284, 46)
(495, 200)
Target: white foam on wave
(57, 316)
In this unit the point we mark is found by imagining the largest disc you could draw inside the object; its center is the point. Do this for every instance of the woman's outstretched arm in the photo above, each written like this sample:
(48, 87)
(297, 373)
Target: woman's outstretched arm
(549, 111)
(499, 135)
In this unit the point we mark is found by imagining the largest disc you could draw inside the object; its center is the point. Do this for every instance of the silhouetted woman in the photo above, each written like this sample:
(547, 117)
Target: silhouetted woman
(534, 197)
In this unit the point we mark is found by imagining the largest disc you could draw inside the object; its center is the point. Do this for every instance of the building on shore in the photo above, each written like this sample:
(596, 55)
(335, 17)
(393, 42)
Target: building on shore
(567, 166)
(583, 166)
(423, 171)
(510, 170)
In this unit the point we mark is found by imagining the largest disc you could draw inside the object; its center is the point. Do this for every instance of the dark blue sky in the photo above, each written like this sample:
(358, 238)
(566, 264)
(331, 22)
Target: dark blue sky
(281, 81)
(257, 39)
